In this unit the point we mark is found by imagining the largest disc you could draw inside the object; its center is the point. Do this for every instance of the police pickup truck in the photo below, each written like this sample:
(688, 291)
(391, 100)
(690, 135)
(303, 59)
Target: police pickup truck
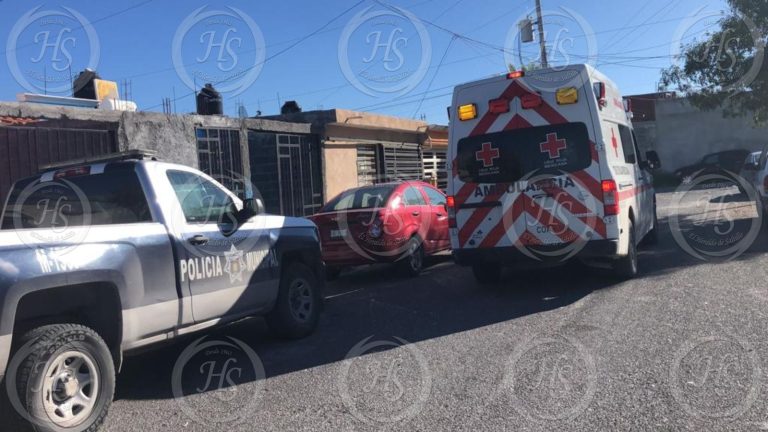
(104, 257)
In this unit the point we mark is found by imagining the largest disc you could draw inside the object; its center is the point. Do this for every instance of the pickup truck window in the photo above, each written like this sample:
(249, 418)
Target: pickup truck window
(113, 197)
(201, 201)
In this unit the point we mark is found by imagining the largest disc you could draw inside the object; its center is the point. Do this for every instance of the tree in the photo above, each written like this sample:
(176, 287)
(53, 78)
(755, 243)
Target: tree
(727, 69)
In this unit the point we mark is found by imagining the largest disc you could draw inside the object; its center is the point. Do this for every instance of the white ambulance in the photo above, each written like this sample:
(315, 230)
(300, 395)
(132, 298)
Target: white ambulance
(545, 168)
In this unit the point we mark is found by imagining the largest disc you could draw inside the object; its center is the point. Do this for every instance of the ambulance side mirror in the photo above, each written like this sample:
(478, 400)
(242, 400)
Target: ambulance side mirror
(652, 160)
(599, 89)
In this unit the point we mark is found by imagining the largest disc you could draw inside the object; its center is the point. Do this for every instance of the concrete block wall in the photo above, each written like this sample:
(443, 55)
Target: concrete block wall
(172, 136)
(683, 134)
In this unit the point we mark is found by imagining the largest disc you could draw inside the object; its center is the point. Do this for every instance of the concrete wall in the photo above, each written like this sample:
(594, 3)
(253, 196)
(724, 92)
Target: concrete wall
(340, 168)
(319, 119)
(682, 134)
(172, 136)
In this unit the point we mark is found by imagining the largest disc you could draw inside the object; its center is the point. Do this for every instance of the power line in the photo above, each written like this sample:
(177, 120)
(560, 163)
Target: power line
(437, 71)
(337, 88)
(671, 5)
(92, 22)
(302, 39)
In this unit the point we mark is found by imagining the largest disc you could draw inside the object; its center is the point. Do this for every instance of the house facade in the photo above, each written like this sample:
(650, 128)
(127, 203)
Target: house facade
(360, 148)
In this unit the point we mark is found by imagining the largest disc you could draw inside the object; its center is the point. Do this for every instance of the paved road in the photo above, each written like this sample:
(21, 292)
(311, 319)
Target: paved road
(680, 347)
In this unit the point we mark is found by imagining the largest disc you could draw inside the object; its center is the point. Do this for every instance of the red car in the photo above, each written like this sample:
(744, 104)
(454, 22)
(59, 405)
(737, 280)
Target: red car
(392, 222)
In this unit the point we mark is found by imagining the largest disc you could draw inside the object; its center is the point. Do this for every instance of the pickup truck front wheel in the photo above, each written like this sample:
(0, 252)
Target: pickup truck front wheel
(298, 303)
(65, 378)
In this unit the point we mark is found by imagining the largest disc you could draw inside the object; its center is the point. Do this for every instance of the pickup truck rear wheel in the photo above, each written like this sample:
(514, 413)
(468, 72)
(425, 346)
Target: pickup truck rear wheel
(65, 378)
(298, 303)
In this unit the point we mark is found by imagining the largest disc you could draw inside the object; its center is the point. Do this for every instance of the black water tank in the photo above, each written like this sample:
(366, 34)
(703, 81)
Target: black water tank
(290, 107)
(83, 86)
(209, 101)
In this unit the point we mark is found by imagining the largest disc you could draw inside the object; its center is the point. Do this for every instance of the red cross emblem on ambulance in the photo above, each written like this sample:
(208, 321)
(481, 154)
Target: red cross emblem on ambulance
(553, 146)
(487, 155)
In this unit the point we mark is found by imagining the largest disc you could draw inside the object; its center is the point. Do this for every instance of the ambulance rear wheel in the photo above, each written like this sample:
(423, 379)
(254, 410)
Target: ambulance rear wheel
(626, 266)
(487, 274)
(652, 237)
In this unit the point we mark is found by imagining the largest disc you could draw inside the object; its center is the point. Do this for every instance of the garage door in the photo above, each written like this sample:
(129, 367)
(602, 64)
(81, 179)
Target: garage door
(24, 149)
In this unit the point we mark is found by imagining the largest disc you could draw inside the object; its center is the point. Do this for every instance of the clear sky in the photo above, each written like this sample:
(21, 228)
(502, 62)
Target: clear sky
(398, 57)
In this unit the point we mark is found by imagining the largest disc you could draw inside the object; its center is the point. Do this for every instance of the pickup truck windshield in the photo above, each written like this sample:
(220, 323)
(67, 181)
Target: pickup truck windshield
(506, 157)
(113, 197)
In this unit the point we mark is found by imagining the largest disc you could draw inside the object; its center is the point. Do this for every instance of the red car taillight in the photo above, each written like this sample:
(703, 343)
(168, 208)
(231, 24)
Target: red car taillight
(610, 198)
(450, 203)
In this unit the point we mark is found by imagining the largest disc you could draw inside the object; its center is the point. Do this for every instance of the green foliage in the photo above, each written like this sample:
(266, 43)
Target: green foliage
(728, 67)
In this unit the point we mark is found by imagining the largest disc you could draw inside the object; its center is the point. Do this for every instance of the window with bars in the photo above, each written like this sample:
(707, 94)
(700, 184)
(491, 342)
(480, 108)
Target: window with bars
(435, 169)
(219, 156)
(381, 163)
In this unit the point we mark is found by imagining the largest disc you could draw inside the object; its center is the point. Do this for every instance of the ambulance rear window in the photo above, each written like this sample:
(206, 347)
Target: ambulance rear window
(506, 157)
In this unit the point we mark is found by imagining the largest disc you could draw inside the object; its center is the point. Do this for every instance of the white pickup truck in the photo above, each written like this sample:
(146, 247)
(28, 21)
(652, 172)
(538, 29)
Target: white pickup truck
(103, 257)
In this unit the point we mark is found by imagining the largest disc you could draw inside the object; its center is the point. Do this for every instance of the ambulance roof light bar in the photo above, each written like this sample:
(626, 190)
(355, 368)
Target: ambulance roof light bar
(516, 74)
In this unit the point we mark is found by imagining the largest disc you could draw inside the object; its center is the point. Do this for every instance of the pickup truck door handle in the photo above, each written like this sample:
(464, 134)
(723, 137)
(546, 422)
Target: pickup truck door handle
(198, 240)
(415, 213)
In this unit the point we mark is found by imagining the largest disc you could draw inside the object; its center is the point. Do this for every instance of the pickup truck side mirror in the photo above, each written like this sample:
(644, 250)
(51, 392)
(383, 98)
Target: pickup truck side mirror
(251, 207)
(652, 160)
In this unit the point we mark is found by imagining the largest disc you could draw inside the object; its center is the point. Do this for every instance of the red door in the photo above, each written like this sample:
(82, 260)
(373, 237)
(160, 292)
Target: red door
(438, 223)
(415, 214)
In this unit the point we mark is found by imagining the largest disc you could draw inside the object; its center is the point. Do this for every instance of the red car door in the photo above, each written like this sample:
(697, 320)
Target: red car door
(414, 213)
(438, 227)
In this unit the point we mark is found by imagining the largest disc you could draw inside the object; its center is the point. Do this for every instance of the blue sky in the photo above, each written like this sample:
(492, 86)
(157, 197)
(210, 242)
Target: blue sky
(398, 57)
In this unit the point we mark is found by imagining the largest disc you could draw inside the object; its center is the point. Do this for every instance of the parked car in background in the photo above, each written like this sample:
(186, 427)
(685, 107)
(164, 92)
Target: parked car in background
(755, 172)
(714, 163)
(400, 222)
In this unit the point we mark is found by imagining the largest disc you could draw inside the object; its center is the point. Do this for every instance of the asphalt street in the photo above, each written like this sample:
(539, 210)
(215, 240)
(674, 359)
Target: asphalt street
(681, 347)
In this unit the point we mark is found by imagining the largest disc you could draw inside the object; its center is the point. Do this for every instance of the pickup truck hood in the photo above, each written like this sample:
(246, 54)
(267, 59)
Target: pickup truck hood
(274, 221)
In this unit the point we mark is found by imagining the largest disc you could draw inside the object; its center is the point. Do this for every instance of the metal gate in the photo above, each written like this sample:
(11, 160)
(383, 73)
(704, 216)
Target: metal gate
(368, 169)
(299, 195)
(24, 149)
(219, 156)
(435, 168)
(286, 171)
(403, 162)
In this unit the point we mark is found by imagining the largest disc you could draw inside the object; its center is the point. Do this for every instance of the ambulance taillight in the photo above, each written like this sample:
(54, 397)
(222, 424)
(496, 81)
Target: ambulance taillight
(450, 205)
(610, 198)
(498, 106)
(531, 101)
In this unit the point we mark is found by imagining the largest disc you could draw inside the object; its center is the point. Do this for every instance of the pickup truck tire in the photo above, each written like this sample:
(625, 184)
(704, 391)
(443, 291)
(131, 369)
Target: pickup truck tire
(297, 309)
(54, 362)
(332, 273)
(626, 266)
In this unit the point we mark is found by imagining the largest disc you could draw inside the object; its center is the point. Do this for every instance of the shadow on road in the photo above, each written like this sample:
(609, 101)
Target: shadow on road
(377, 302)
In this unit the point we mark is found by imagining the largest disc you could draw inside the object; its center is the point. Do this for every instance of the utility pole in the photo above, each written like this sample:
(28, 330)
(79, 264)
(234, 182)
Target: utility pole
(542, 43)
